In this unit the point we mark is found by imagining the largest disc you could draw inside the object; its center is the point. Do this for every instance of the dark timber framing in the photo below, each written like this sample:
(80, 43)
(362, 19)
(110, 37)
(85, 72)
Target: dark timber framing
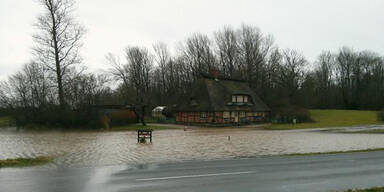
(222, 101)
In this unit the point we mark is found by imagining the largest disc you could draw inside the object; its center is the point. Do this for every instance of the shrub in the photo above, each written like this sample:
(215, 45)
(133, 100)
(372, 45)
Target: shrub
(287, 113)
(142, 140)
(380, 115)
(52, 116)
(23, 162)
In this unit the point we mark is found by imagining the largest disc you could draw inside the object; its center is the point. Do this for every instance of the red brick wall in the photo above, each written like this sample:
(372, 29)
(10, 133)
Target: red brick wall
(214, 117)
(219, 117)
(199, 117)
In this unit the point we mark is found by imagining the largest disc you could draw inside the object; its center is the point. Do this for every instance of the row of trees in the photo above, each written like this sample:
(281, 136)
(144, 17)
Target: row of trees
(346, 79)
(244, 53)
(53, 88)
(57, 84)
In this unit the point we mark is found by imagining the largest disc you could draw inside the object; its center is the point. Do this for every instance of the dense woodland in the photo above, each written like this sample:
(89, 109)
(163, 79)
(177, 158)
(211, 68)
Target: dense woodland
(57, 81)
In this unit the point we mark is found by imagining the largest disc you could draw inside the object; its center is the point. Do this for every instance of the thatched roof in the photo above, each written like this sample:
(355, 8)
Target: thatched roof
(211, 94)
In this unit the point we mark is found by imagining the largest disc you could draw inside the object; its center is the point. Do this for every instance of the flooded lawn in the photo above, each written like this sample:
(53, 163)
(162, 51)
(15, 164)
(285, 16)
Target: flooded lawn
(111, 148)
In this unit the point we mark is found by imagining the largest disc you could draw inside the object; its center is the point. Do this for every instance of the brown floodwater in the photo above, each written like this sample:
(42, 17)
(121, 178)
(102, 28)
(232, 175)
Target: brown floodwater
(114, 148)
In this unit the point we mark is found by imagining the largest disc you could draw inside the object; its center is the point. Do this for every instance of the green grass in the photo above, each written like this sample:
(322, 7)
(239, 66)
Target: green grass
(370, 131)
(375, 189)
(25, 162)
(6, 121)
(139, 126)
(334, 118)
(334, 152)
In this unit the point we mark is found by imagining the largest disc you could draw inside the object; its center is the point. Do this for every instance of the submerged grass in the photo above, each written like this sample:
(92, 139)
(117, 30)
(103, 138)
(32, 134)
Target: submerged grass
(25, 162)
(6, 121)
(139, 126)
(375, 189)
(333, 118)
(334, 152)
(371, 131)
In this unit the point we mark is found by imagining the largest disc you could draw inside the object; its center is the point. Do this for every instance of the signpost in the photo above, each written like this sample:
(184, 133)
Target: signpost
(143, 134)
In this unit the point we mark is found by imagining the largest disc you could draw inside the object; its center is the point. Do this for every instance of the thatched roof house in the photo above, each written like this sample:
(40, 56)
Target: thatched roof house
(216, 100)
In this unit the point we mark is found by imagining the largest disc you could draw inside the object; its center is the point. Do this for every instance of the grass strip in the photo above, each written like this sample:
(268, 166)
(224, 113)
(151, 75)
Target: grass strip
(6, 122)
(137, 127)
(25, 162)
(372, 131)
(375, 189)
(333, 118)
(334, 152)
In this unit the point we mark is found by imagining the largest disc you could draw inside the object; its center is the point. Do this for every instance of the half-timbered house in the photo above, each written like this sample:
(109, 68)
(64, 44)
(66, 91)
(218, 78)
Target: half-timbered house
(222, 101)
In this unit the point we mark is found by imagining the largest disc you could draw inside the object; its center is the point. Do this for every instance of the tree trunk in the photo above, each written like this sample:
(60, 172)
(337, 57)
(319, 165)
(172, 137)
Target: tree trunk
(142, 115)
(57, 62)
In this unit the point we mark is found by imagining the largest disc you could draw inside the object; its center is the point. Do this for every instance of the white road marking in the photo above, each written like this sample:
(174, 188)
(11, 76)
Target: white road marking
(193, 176)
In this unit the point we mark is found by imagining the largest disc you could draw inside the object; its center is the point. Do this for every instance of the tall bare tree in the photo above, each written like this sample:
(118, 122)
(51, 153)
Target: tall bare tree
(198, 54)
(135, 73)
(227, 49)
(254, 48)
(324, 72)
(292, 73)
(58, 40)
(162, 58)
(346, 60)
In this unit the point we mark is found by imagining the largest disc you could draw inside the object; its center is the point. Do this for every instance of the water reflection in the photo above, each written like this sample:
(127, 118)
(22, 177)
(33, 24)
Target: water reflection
(111, 148)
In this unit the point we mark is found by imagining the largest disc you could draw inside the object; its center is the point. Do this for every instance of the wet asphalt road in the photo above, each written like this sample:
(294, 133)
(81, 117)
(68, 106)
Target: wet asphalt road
(300, 173)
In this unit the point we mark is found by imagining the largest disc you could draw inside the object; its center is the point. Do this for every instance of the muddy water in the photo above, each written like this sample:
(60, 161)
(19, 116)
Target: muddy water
(111, 148)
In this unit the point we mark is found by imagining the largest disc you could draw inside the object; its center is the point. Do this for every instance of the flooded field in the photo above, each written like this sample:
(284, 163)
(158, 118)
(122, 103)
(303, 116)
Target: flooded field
(111, 148)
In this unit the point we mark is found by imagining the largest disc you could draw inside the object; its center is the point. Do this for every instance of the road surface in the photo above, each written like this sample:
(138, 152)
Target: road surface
(299, 174)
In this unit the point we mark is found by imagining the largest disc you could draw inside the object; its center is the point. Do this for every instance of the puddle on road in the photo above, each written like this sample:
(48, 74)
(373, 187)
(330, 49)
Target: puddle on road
(113, 148)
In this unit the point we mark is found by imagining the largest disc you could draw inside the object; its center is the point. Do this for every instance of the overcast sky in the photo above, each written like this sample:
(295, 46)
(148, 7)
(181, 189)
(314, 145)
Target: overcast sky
(306, 25)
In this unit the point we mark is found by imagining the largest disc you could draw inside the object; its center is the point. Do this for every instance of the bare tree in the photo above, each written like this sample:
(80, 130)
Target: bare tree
(163, 60)
(227, 50)
(292, 73)
(119, 69)
(136, 73)
(346, 59)
(140, 64)
(325, 75)
(198, 54)
(254, 48)
(58, 40)
(86, 89)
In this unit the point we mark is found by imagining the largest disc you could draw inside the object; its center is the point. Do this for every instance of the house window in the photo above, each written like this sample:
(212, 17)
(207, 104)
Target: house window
(227, 116)
(203, 116)
(240, 99)
(233, 99)
(242, 114)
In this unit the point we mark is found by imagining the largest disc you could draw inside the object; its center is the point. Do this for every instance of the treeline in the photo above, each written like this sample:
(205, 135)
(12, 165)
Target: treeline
(346, 79)
(245, 53)
(283, 78)
(31, 96)
(56, 89)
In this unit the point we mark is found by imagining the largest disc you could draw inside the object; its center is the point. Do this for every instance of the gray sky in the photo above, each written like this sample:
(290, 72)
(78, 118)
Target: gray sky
(306, 25)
